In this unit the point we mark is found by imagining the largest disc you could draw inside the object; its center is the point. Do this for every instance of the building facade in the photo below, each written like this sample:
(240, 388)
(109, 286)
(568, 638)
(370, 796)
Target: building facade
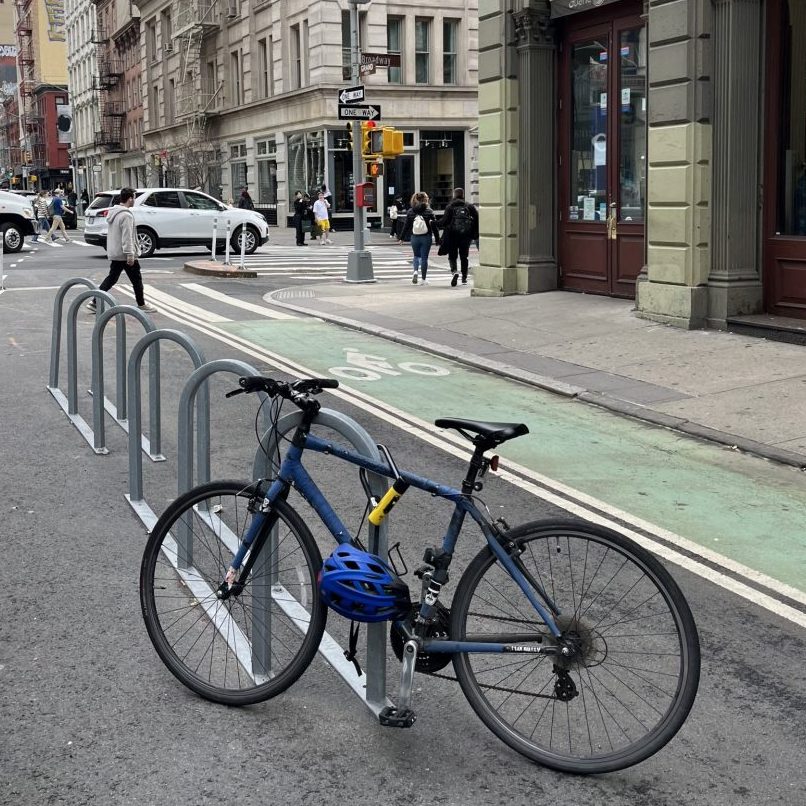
(43, 125)
(245, 93)
(82, 71)
(650, 150)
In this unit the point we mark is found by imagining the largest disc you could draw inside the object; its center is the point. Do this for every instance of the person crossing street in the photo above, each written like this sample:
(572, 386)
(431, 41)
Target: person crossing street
(460, 227)
(59, 208)
(121, 245)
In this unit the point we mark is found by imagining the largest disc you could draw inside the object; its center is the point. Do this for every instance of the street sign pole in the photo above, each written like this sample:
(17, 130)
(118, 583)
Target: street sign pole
(359, 261)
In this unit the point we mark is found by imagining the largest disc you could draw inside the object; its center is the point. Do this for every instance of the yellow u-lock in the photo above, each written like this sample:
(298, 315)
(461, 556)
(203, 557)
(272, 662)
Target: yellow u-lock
(386, 503)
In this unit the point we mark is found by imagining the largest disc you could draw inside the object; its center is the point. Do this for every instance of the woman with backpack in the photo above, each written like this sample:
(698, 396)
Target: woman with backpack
(460, 227)
(421, 225)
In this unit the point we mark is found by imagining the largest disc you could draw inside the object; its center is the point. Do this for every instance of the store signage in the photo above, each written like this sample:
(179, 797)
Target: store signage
(351, 95)
(561, 8)
(381, 59)
(368, 112)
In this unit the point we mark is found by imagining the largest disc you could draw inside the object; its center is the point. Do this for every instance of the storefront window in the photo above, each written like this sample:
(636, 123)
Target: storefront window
(442, 159)
(632, 122)
(341, 171)
(306, 161)
(266, 151)
(589, 66)
(791, 133)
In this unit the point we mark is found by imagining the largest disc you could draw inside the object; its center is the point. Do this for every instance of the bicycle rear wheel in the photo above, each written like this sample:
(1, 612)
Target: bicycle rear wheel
(633, 678)
(250, 646)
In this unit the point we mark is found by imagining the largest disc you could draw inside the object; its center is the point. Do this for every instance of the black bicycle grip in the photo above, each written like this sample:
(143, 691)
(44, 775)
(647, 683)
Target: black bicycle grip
(327, 383)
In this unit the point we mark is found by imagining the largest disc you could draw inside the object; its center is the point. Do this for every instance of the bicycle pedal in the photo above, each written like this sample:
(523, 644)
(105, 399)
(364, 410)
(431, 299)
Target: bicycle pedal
(391, 717)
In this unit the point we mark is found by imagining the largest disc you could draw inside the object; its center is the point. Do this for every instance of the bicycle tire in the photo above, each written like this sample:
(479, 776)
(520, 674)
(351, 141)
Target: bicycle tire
(602, 720)
(215, 647)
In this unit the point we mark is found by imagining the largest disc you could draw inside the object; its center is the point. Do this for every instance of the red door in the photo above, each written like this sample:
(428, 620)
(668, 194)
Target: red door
(603, 125)
(784, 276)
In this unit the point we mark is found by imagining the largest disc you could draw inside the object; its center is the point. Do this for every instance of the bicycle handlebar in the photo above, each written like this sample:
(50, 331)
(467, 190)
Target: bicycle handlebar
(289, 391)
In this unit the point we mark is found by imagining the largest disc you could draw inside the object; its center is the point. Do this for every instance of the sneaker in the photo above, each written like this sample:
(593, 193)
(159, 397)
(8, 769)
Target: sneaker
(415, 277)
(455, 279)
(426, 282)
(147, 308)
(464, 281)
(92, 306)
(328, 241)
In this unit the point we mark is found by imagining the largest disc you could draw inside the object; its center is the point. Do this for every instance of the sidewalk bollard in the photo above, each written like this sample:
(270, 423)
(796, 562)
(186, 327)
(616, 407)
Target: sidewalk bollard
(2, 276)
(215, 238)
(243, 243)
(227, 245)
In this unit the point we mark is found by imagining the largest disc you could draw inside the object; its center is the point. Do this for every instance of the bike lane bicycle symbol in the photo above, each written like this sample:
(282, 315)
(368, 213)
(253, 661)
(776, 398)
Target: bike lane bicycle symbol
(366, 367)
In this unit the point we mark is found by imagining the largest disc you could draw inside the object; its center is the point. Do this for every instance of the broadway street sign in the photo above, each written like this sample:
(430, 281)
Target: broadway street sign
(351, 95)
(368, 112)
(381, 59)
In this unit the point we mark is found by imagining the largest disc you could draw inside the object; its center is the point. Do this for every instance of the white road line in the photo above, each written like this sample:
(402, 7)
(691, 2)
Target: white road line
(238, 303)
(82, 243)
(453, 445)
(160, 297)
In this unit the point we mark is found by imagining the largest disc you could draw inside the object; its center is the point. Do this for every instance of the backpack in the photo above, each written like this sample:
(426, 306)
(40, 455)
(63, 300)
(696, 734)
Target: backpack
(51, 206)
(419, 227)
(462, 223)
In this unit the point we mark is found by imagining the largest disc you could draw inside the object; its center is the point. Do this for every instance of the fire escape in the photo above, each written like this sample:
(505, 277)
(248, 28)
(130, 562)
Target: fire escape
(195, 96)
(31, 129)
(107, 84)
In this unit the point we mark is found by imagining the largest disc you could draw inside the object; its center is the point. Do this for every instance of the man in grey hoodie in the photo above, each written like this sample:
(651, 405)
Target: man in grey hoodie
(121, 246)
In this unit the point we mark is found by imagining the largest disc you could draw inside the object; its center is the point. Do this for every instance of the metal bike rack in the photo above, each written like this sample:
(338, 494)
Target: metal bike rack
(135, 495)
(372, 687)
(151, 444)
(69, 404)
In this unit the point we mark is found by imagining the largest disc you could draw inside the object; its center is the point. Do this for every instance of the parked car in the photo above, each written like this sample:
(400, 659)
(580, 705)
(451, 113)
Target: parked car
(170, 217)
(16, 221)
(70, 218)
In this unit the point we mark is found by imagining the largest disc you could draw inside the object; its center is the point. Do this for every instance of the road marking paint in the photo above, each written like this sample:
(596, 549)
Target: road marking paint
(160, 297)
(238, 303)
(455, 446)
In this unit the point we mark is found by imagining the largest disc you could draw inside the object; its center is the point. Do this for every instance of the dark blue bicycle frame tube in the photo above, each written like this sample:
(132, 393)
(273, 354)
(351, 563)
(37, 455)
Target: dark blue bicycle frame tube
(292, 473)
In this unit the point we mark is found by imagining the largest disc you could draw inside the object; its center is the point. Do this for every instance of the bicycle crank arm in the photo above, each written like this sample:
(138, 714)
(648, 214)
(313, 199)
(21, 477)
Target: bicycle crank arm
(402, 716)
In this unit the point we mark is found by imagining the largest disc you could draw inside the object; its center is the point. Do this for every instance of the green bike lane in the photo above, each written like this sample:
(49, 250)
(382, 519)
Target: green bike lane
(744, 508)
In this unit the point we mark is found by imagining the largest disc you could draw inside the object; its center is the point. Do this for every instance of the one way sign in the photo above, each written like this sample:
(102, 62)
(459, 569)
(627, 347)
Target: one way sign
(351, 95)
(368, 112)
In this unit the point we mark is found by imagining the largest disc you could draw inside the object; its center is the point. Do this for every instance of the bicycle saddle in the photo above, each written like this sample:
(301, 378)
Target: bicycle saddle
(492, 433)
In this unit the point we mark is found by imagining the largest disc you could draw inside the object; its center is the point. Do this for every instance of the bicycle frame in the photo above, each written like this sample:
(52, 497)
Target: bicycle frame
(292, 473)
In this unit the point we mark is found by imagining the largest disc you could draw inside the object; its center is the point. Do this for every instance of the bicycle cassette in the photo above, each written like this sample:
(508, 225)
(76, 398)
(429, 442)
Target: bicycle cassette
(427, 662)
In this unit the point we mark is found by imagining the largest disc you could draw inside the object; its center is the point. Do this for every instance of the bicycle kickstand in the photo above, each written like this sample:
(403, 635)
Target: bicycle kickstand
(402, 716)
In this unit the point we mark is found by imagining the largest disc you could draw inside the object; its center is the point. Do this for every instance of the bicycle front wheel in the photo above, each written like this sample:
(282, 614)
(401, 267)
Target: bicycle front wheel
(633, 675)
(254, 644)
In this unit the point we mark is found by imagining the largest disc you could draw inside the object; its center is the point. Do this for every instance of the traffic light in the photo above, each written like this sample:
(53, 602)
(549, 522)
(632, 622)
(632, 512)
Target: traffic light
(387, 142)
(27, 157)
(350, 134)
(367, 128)
(375, 169)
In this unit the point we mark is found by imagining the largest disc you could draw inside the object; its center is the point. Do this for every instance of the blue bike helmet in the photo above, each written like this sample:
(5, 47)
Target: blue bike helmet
(361, 587)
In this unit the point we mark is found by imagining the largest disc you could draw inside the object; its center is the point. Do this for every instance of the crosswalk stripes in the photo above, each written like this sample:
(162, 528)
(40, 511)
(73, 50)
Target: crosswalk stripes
(317, 262)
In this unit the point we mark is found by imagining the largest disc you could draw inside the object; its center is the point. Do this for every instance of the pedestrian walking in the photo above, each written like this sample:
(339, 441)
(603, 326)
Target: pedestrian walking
(329, 199)
(58, 208)
(121, 246)
(396, 209)
(245, 201)
(298, 219)
(460, 227)
(41, 212)
(72, 197)
(421, 225)
(85, 200)
(321, 216)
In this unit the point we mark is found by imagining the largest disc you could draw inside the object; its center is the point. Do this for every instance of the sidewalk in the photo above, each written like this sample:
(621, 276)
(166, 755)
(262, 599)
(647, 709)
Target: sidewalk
(744, 392)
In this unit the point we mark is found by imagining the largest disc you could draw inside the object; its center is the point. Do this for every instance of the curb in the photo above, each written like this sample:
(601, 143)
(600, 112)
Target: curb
(211, 268)
(600, 399)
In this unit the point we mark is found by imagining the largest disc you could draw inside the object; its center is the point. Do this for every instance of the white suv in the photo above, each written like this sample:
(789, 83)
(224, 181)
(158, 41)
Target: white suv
(16, 221)
(169, 217)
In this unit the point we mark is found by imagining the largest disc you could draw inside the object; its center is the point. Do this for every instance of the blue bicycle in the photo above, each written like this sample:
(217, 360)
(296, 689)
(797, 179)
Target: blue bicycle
(573, 644)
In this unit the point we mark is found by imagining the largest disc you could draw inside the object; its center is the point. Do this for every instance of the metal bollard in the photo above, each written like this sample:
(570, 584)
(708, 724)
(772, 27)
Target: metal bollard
(2, 252)
(226, 245)
(243, 243)
(215, 238)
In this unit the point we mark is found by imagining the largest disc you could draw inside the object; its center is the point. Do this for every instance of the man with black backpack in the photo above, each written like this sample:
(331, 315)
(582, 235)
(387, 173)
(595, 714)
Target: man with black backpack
(460, 225)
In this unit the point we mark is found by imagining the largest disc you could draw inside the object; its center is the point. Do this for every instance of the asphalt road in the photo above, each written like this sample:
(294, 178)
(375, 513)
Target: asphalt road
(92, 717)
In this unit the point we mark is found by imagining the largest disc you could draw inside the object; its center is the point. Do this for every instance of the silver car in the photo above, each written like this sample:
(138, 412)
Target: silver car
(171, 217)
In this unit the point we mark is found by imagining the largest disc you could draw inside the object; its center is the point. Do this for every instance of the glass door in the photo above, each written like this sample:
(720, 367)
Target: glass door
(603, 156)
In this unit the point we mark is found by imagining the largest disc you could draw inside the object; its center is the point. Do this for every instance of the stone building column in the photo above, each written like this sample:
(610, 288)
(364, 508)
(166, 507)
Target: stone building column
(679, 157)
(734, 282)
(537, 263)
